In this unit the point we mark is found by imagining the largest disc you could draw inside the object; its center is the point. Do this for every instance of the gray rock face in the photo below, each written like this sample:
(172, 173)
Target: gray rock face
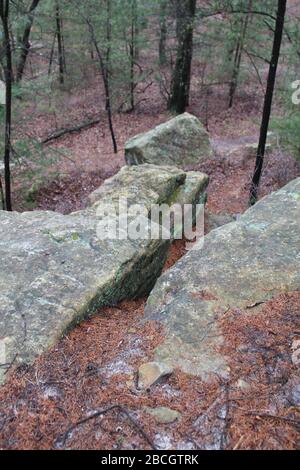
(241, 264)
(215, 221)
(55, 270)
(181, 142)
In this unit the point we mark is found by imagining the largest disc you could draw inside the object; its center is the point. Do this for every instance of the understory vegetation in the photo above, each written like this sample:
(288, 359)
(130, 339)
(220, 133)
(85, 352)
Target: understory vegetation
(71, 66)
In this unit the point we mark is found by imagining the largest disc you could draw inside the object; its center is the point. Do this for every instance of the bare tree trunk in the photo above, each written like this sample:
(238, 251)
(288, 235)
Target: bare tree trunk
(108, 46)
(25, 44)
(268, 101)
(4, 14)
(132, 52)
(180, 87)
(2, 195)
(61, 59)
(238, 55)
(52, 54)
(105, 83)
(163, 33)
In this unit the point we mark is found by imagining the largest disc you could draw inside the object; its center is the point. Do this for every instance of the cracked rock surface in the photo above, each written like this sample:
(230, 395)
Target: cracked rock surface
(55, 271)
(241, 265)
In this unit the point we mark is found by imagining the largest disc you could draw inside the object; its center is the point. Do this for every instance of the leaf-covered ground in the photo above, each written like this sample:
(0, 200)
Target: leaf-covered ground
(92, 375)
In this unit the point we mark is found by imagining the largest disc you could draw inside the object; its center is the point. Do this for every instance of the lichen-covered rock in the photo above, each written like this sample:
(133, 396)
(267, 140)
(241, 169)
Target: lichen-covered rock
(55, 270)
(240, 265)
(182, 142)
(141, 185)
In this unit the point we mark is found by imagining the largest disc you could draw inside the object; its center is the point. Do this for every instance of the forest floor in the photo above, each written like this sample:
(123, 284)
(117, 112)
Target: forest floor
(92, 373)
(92, 376)
(85, 159)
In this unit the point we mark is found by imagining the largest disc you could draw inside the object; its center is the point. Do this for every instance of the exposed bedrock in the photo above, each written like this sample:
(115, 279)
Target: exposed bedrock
(240, 265)
(56, 271)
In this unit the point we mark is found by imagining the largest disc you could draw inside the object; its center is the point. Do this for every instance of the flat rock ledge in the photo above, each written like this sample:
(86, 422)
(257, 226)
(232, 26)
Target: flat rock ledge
(182, 142)
(240, 265)
(55, 270)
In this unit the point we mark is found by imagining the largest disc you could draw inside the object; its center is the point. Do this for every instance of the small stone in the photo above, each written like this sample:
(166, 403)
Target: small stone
(132, 331)
(151, 373)
(242, 384)
(296, 352)
(164, 415)
(296, 358)
(295, 395)
(296, 344)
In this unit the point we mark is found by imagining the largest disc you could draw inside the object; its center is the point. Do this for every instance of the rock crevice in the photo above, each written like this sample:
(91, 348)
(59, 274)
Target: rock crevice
(240, 265)
(55, 270)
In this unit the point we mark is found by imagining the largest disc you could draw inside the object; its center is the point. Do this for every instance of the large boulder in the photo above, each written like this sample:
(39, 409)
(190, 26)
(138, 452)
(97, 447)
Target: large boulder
(241, 265)
(55, 270)
(182, 142)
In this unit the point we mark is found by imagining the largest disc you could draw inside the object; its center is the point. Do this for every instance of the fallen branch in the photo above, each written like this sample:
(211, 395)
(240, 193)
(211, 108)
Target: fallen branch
(70, 130)
(257, 304)
(103, 412)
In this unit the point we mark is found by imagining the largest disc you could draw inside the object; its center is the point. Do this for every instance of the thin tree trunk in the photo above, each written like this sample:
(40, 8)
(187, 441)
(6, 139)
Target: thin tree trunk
(63, 46)
(25, 44)
(92, 50)
(2, 195)
(4, 14)
(52, 54)
(108, 46)
(163, 33)
(61, 60)
(238, 56)
(136, 31)
(180, 87)
(106, 85)
(268, 101)
(132, 51)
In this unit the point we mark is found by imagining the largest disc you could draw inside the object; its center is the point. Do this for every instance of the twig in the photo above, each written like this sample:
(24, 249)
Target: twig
(10, 365)
(295, 422)
(255, 68)
(239, 442)
(224, 435)
(105, 411)
(257, 304)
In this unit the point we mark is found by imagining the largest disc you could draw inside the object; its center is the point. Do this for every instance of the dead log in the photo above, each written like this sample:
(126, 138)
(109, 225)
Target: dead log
(70, 130)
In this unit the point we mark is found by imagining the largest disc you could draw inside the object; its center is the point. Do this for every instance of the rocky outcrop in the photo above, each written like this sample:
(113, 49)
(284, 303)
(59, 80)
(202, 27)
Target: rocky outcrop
(182, 142)
(241, 265)
(55, 270)
(214, 221)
